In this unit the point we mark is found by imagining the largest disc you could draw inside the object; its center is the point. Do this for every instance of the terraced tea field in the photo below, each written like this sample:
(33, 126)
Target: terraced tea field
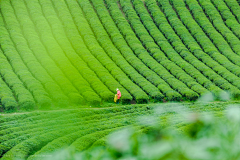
(59, 55)
(35, 135)
(65, 52)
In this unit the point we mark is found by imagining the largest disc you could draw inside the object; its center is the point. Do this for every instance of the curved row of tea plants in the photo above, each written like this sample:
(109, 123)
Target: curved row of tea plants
(61, 53)
(234, 7)
(226, 47)
(126, 51)
(210, 48)
(34, 135)
(199, 36)
(148, 41)
(135, 45)
(189, 42)
(118, 59)
(207, 45)
(226, 16)
(172, 54)
(61, 57)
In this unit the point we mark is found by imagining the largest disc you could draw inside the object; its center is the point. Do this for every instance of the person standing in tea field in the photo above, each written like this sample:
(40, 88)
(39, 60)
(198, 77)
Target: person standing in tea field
(117, 96)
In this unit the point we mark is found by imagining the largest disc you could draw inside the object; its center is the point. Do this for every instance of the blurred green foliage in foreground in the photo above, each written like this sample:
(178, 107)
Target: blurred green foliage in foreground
(184, 135)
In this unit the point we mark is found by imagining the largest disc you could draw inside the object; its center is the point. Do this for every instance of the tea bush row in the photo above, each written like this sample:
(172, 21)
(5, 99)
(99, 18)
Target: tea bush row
(61, 36)
(227, 16)
(209, 29)
(8, 101)
(149, 42)
(31, 123)
(104, 71)
(28, 57)
(101, 71)
(20, 134)
(83, 48)
(192, 45)
(11, 77)
(62, 52)
(87, 56)
(136, 46)
(202, 39)
(83, 139)
(234, 7)
(178, 46)
(205, 43)
(162, 42)
(57, 54)
(80, 129)
(40, 53)
(222, 22)
(111, 51)
(30, 140)
(141, 61)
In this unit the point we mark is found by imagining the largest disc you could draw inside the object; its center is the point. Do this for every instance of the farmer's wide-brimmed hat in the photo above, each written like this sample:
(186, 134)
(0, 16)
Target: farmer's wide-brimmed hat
(117, 89)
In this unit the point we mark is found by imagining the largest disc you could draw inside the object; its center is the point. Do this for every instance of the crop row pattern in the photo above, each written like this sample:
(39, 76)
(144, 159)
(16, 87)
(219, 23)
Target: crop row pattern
(192, 45)
(179, 47)
(82, 28)
(110, 57)
(205, 43)
(136, 46)
(128, 54)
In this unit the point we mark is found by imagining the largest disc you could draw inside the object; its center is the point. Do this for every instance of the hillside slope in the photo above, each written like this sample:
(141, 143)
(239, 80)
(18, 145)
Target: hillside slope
(64, 52)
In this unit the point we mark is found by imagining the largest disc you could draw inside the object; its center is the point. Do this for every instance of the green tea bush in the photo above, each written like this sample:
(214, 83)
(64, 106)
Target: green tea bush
(128, 54)
(199, 136)
(146, 39)
(220, 61)
(77, 82)
(90, 41)
(136, 45)
(31, 83)
(60, 23)
(230, 34)
(62, 53)
(197, 32)
(7, 98)
(116, 57)
(234, 7)
(37, 134)
(33, 40)
(192, 45)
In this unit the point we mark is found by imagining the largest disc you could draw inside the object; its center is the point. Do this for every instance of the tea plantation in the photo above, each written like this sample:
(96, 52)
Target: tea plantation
(38, 134)
(61, 62)
(60, 53)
